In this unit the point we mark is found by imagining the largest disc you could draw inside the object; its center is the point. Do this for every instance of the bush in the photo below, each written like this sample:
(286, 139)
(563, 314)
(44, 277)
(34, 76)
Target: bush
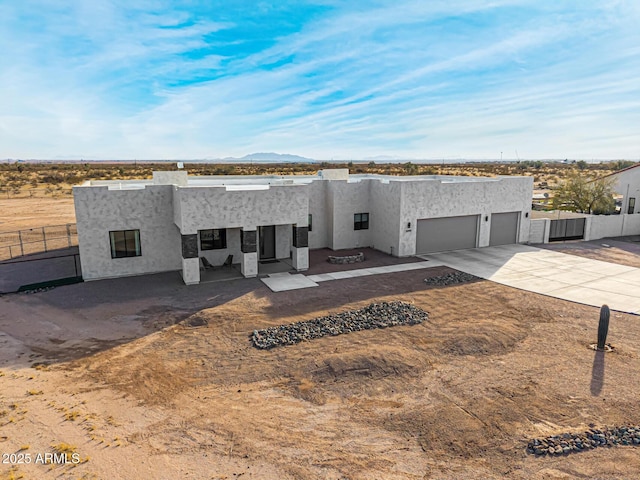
(53, 179)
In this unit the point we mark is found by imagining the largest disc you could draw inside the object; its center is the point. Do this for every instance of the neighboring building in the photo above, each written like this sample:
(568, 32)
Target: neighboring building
(168, 223)
(628, 184)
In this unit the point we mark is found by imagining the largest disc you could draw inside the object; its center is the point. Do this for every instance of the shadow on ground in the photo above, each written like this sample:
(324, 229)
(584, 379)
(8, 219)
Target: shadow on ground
(597, 373)
(74, 321)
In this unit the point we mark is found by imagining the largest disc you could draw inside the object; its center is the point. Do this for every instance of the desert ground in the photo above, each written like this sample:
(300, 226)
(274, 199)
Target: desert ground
(147, 378)
(24, 213)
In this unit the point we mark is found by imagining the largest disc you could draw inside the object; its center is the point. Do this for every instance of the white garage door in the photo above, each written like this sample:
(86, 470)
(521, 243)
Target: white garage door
(504, 228)
(446, 233)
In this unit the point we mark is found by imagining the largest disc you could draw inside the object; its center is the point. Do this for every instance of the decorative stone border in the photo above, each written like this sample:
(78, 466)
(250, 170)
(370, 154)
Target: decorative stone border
(578, 442)
(375, 315)
(346, 259)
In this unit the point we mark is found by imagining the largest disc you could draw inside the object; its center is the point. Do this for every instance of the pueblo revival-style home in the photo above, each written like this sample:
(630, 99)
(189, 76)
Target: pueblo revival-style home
(175, 222)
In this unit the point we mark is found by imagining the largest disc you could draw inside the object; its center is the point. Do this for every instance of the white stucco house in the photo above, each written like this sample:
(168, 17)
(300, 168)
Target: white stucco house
(627, 183)
(168, 223)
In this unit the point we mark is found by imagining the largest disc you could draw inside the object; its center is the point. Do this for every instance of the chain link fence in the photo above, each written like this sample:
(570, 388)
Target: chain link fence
(37, 240)
(49, 192)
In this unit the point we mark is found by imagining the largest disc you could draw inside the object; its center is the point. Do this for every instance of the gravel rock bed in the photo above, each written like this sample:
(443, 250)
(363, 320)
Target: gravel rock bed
(376, 315)
(450, 279)
(578, 442)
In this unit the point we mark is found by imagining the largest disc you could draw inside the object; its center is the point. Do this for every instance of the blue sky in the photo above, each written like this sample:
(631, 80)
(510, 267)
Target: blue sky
(155, 79)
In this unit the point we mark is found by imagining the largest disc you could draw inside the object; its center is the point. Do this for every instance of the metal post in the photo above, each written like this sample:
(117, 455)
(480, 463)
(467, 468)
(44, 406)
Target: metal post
(44, 239)
(69, 237)
(20, 237)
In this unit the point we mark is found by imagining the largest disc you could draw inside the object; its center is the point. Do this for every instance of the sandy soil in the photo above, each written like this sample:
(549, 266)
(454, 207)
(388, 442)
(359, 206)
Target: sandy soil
(139, 393)
(23, 213)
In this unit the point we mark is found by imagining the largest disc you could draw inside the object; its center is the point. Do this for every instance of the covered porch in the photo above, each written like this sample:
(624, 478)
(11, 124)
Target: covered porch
(258, 224)
(212, 255)
(234, 271)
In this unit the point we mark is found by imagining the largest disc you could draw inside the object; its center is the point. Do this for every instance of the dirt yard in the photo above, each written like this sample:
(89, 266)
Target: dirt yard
(23, 213)
(114, 372)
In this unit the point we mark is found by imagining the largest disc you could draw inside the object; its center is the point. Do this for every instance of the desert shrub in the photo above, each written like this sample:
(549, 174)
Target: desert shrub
(53, 178)
(74, 178)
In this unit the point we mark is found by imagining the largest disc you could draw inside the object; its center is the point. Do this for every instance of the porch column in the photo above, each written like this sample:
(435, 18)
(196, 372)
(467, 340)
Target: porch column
(190, 260)
(300, 248)
(249, 249)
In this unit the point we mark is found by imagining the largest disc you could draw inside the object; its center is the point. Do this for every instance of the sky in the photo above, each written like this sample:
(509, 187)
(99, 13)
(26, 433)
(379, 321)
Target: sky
(326, 79)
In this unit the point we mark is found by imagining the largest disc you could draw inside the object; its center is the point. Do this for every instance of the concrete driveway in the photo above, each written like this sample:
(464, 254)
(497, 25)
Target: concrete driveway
(559, 275)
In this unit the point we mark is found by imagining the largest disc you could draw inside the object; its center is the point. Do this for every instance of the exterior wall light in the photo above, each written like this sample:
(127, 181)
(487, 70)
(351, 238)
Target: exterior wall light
(486, 218)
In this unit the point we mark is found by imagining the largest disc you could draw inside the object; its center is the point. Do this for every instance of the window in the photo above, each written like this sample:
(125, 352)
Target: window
(125, 243)
(215, 239)
(310, 222)
(361, 221)
(632, 205)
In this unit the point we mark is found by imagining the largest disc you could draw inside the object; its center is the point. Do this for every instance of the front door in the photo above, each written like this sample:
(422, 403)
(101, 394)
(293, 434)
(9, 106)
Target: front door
(267, 242)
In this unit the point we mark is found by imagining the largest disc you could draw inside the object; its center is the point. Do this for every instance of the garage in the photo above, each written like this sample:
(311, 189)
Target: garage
(504, 228)
(446, 233)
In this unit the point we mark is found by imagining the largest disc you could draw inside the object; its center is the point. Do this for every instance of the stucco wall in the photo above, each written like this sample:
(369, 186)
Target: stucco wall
(631, 224)
(434, 199)
(602, 226)
(349, 199)
(171, 177)
(177, 208)
(319, 236)
(216, 207)
(334, 174)
(161, 212)
(628, 184)
(99, 210)
(537, 230)
(385, 201)
(329, 205)
(283, 241)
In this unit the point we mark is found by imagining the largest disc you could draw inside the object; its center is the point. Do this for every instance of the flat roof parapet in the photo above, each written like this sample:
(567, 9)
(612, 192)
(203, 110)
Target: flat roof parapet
(257, 182)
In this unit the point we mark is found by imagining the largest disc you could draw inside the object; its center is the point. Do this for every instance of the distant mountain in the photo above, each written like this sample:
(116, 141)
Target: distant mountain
(272, 157)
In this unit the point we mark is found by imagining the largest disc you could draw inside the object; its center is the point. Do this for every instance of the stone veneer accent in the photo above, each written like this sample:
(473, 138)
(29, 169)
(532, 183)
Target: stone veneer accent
(249, 241)
(300, 237)
(190, 246)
